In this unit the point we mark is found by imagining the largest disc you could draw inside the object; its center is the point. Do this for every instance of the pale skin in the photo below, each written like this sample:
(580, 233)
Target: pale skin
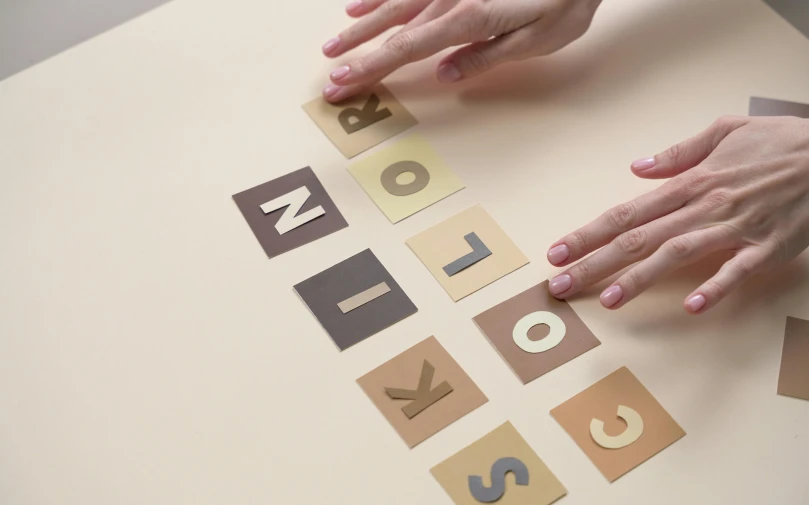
(741, 186)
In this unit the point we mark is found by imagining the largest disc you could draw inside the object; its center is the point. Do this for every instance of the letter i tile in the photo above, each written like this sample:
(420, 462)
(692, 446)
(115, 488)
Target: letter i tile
(422, 391)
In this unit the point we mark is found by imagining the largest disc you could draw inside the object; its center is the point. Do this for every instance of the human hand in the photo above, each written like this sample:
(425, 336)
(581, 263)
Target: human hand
(740, 186)
(495, 31)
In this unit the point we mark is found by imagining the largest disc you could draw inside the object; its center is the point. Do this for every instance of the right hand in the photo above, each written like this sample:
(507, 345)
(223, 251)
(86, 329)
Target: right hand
(492, 32)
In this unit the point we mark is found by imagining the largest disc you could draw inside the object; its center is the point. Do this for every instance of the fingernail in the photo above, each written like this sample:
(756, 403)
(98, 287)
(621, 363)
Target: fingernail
(448, 72)
(331, 45)
(330, 90)
(340, 72)
(643, 163)
(611, 296)
(560, 284)
(353, 6)
(558, 254)
(695, 303)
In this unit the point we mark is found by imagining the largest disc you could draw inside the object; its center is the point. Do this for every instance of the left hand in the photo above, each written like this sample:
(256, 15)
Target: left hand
(741, 186)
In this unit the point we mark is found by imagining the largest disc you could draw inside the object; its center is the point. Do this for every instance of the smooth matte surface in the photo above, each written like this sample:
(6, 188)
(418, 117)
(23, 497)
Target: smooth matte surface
(404, 371)
(324, 293)
(271, 230)
(793, 380)
(602, 402)
(152, 354)
(32, 31)
(796, 12)
(498, 323)
(477, 461)
(760, 106)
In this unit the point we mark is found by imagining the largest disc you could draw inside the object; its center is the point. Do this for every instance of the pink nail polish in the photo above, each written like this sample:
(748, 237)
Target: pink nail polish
(560, 284)
(331, 45)
(558, 254)
(643, 163)
(340, 72)
(330, 90)
(354, 6)
(695, 303)
(611, 296)
(448, 72)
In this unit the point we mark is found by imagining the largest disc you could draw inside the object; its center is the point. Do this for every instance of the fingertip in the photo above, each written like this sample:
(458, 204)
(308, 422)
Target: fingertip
(331, 47)
(558, 254)
(333, 93)
(448, 72)
(695, 304)
(355, 9)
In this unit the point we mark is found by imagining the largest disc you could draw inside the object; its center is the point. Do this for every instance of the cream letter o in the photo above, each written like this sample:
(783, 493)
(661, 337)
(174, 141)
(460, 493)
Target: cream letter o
(553, 339)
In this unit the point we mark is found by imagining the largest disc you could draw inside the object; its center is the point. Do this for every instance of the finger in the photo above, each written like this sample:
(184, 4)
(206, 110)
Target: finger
(477, 58)
(671, 256)
(628, 248)
(359, 8)
(729, 277)
(435, 10)
(620, 219)
(389, 14)
(688, 154)
(334, 94)
(402, 49)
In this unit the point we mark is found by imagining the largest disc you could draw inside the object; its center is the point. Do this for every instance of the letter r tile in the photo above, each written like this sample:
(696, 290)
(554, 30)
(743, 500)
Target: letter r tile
(290, 211)
(422, 391)
(361, 122)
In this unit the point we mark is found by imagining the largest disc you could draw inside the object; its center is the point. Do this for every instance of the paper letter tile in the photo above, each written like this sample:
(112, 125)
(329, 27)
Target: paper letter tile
(330, 295)
(794, 11)
(529, 356)
(361, 122)
(479, 473)
(431, 180)
(794, 377)
(399, 389)
(648, 428)
(769, 107)
(279, 231)
(444, 243)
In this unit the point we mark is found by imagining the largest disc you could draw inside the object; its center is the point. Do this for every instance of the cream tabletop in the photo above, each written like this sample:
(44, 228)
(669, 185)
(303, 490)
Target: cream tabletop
(152, 354)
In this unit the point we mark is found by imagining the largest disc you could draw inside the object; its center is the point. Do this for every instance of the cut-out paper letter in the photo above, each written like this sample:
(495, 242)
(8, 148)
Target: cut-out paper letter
(514, 328)
(359, 123)
(279, 231)
(405, 177)
(641, 431)
(422, 397)
(459, 475)
(500, 468)
(353, 119)
(441, 246)
(347, 308)
(633, 431)
(416, 366)
(290, 219)
(554, 338)
(361, 299)
(479, 252)
(392, 186)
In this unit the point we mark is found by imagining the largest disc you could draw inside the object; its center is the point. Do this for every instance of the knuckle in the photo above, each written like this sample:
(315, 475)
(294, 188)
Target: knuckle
(713, 290)
(675, 153)
(631, 281)
(633, 242)
(743, 267)
(679, 248)
(476, 61)
(395, 9)
(582, 273)
(579, 241)
(622, 216)
(402, 46)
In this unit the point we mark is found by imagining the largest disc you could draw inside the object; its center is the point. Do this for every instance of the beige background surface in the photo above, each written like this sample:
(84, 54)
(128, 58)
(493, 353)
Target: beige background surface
(152, 354)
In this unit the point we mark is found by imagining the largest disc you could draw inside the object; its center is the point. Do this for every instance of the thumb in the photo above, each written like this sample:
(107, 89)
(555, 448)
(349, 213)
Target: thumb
(689, 153)
(475, 59)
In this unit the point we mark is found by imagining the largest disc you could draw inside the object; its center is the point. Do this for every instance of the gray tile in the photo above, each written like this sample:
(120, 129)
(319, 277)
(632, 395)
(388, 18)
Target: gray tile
(794, 11)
